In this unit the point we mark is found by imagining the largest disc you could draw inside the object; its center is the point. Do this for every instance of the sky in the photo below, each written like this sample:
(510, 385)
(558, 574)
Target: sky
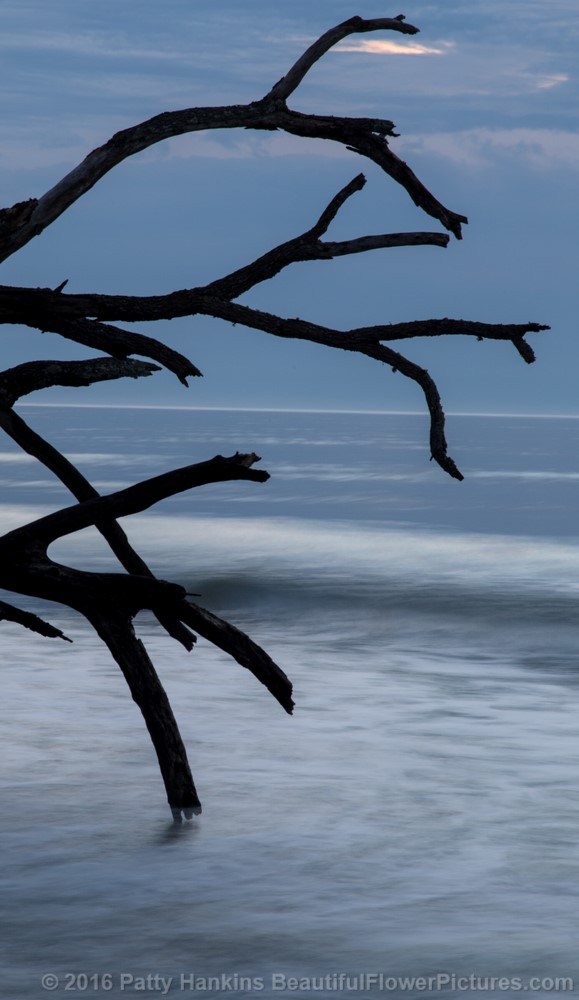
(486, 101)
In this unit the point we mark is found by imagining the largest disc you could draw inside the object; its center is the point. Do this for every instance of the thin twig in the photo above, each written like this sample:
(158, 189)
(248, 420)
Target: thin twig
(292, 79)
(9, 613)
(134, 499)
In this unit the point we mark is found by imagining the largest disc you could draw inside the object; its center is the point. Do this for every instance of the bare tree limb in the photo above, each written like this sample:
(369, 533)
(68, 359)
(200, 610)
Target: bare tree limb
(331, 210)
(23, 552)
(110, 601)
(26, 378)
(243, 649)
(438, 445)
(369, 346)
(360, 338)
(355, 25)
(190, 302)
(35, 375)
(9, 613)
(49, 311)
(149, 694)
(309, 246)
(511, 332)
(134, 499)
(69, 475)
(23, 221)
(214, 298)
(367, 341)
(32, 306)
(110, 595)
(107, 595)
(361, 244)
(364, 340)
(366, 137)
(120, 343)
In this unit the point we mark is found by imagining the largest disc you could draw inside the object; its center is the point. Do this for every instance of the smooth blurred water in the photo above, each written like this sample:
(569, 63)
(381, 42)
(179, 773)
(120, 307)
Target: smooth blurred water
(419, 813)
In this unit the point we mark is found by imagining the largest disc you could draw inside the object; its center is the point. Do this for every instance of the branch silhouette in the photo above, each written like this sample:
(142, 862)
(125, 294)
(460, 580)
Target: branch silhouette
(110, 601)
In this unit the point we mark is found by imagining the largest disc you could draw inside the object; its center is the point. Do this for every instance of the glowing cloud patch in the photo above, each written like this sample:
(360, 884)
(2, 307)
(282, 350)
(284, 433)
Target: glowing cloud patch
(546, 82)
(393, 48)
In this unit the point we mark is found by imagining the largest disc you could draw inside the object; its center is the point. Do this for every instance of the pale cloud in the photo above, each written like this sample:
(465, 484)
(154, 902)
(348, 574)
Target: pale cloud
(38, 144)
(533, 80)
(35, 148)
(29, 157)
(388, 48)
(84, 43)
(546, 82)
(477, 148)
(482, 147)
(198, 145)
(279, 144)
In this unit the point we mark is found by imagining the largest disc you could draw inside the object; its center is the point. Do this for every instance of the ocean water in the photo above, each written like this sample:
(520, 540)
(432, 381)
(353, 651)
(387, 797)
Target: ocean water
(418, 816)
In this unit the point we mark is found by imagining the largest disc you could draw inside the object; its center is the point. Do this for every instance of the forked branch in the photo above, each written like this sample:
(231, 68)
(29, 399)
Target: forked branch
(355, 25)
(67, 314)
(23, 221)
(137, 498)
(110, 601)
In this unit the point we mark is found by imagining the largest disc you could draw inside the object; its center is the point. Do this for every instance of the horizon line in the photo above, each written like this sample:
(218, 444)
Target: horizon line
(299, 409)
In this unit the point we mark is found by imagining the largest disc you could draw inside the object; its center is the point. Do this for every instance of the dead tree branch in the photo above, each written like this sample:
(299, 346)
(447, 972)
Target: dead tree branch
(116, 630)
(110, 601)
(130, 595)
(23, 221)
(24, 561)
(67, 314)
(35, 375)
(32, 443)
(29, 377)
(141, 496)
(355, 25)
(367, 341)
(244, 650)
(30, 621)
